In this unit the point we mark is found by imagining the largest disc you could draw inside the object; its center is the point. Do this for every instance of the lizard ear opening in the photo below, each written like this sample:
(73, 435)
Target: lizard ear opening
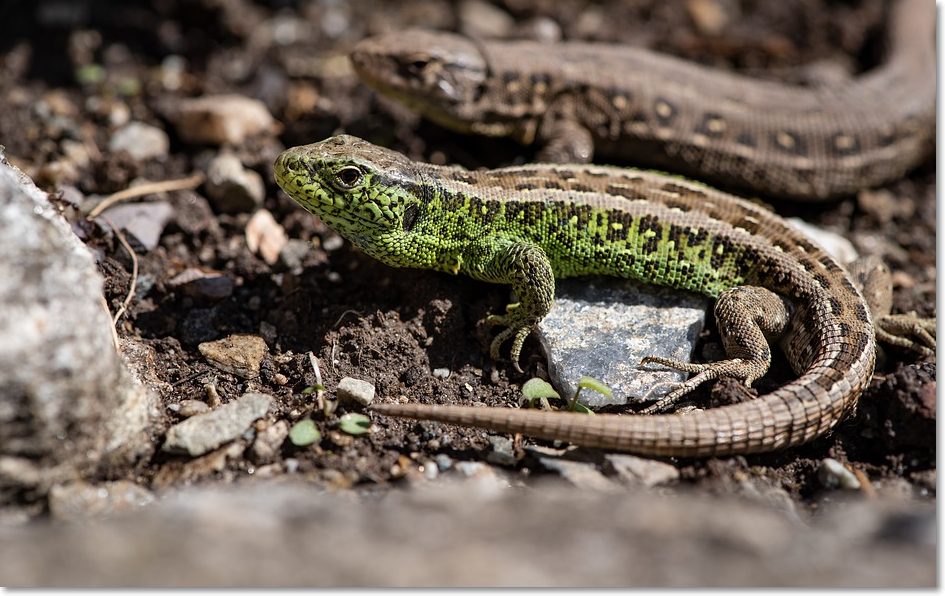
(410, 216)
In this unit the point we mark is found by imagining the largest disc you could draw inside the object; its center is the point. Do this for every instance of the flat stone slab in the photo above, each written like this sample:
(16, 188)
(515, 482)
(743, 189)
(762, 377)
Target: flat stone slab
(282, 534)
(602, 328)
(204, 432)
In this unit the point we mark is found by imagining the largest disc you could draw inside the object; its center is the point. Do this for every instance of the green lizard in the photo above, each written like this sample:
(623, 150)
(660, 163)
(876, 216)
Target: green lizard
(526, 226)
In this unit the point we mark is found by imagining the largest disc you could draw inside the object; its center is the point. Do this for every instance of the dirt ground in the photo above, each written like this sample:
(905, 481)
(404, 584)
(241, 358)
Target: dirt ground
(368, 321)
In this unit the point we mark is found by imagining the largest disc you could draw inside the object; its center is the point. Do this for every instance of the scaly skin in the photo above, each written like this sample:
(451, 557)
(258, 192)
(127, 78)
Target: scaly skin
(528, 225)
(650, 109)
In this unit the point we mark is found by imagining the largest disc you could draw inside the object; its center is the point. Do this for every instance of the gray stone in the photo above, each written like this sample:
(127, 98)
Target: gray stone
(453, 536)
(502, 451)
(293, 254)
(639, 470)
(206, 285)
(144, 221)
(839, 247)
(141, 141)
(204, 432)
(602, 328)
(355, 390)
(77, 500)
(239, 354)
(269, 441)
(233, 188)
(481, 19)
(220, 119)
(192, 407)
(65, 398)
(581, 474)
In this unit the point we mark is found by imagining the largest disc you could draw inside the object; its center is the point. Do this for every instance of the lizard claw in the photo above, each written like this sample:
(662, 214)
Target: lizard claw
(739, 368)
(907, 331)
(515, 328)
(518, 333)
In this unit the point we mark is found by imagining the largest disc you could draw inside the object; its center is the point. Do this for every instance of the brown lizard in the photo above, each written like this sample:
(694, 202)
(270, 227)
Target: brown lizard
(581, 99)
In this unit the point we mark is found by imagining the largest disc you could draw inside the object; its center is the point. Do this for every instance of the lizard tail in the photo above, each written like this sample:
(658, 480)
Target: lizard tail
(790, 415)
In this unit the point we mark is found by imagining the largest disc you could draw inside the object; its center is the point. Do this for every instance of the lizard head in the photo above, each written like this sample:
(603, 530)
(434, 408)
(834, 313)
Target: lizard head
(368, 194)
(442, 75)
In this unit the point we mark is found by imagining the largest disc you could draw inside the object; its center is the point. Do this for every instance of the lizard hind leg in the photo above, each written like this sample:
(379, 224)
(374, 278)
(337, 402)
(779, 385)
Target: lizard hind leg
(747, 317)
(909, 331)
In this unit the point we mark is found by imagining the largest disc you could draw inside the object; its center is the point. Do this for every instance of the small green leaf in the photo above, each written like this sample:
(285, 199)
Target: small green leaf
(129, 86)
(304, 432)
(537, 389)
(309, 390)
(595, 385)
(354, 424)
(90, 74)
(582, 409)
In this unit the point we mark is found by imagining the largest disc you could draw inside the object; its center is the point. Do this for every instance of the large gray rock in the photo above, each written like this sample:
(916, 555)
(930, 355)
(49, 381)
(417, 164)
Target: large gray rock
(277, 534)
(602, 327)
(67, 405)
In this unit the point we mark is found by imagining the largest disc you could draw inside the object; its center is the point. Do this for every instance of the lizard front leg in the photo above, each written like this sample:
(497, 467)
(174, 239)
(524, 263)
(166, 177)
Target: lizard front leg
(564, 140)
(747, 318)
(526, 267)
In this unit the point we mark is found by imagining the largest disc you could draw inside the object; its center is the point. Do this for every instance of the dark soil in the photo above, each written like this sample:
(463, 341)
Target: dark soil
(363, 319)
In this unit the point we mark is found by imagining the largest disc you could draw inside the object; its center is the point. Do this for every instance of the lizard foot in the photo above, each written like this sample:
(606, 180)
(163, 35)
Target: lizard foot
(907, 331)
(746, 371)
(516, 328)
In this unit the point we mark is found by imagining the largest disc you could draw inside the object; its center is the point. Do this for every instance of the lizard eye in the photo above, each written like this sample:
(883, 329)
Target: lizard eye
(348, 177)
(418, 64)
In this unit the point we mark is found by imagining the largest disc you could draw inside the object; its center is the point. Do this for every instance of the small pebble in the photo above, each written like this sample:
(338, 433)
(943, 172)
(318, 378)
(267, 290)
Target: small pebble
(441, 373)
(192, 407)
(709, 16)
(291, 465)
(239, 354)
(543, 29)
(233, 188)
(638, 470)
(207, 285)
(332, 243)
(220, 119)
(481, 19)
(833, 474)
(356, 390)
(265, 236)
(501, 453)
(581, 474)
(839, 247)
(204, 432)
(144, 221)
(444, 462)
(269, 441)
(141, 141)
(293, 254)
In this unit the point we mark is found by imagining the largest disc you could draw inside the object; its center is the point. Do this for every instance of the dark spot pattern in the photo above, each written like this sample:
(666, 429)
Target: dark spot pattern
(628, 193)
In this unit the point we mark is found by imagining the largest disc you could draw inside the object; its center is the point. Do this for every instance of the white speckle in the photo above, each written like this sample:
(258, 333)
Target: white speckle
(785, 140)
